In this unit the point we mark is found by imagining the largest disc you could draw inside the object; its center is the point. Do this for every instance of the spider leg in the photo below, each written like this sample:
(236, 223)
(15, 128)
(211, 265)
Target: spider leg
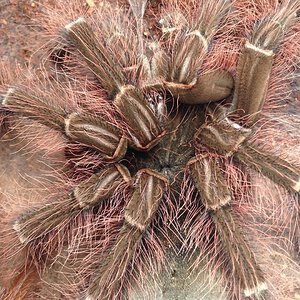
(92, 131)
(222, 134)
(184, 63)
(251, 85)
(229, 138)
(149, 188)
(96, 55)
(210, 182)
(255, 63)
(192, 45)
(192, 41)
(88, 193)
(143, 125)
(210, 87)
(97, 133)
(274, 167)
(22, 102)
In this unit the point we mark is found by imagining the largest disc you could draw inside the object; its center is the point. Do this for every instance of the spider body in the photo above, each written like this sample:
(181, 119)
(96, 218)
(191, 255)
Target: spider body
(171, 155)
(167, 162)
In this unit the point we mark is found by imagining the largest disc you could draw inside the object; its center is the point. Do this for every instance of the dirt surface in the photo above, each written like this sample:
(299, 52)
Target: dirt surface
(19, 26)
(18, 29)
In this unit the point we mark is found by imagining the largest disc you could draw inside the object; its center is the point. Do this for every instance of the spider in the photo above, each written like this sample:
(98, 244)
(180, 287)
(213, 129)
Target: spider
(173, 124)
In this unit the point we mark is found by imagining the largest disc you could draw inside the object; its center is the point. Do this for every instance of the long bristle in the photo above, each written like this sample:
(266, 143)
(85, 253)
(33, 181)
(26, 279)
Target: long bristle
(142, 75)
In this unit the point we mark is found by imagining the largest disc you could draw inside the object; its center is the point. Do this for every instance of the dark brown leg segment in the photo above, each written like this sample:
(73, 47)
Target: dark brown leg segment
(139, 212)
(143, 125)
(92, 131)
(229, 138)
(210, 182)
(97, 57)
(273, 167)
(90, 192)
(252, 79)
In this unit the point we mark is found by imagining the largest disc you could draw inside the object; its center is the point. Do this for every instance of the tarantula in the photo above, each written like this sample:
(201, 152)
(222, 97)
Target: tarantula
(167, 130)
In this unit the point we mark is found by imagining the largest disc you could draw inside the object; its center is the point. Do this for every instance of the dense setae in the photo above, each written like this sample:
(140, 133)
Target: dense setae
(183, 143)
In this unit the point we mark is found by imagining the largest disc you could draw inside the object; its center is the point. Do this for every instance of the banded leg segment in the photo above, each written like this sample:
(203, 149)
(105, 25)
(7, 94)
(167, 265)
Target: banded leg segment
(240, 255)
(273, 167)
(98, 134)
(188, 54)
(140, 210)
(209, 179)
(222, 135)
(213, 86)
(255, 62)
(99, 60)
(32, 106)
(90, 192)
(92, 131)
(210, 182)
(229, 138)
(101, 185)
(252, 79)
(191, 46)
(143, 125)
(192, 38)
